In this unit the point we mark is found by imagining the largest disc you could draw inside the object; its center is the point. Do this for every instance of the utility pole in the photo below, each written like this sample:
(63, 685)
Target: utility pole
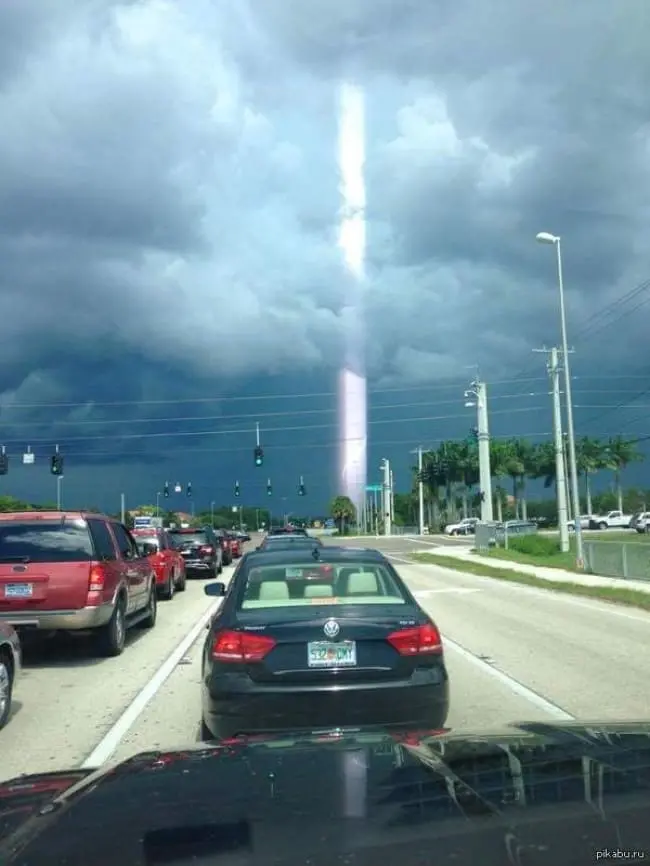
(419, 452)
(122, 507)
(392, 496)
(476, 396)
(558, 441)
(386, 492)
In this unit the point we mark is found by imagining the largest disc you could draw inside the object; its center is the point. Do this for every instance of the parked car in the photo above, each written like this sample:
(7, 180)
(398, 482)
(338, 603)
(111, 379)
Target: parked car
(612, 520)
(75, 571)
(10, 659)
(167, 561)
(466, 526)
(201, 550)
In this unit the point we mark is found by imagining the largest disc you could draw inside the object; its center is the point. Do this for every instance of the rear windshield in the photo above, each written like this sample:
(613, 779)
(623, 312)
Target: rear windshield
(180, 538)
(143, 538)
(271, 586)
(278, 542)
(44, 541)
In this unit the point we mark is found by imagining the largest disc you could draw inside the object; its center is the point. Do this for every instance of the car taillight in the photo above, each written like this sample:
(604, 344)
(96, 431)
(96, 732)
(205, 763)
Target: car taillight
(96, 585)
(420, 640)
(326, 570)
(240, 646)
(207, 549)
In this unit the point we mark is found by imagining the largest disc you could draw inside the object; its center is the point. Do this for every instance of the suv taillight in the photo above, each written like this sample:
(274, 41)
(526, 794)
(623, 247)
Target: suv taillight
(239, 646)
(206, 549)
(96, 584)
(421, 640)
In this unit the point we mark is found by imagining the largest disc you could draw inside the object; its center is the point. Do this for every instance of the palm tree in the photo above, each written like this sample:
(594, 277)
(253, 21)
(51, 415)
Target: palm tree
(499, 470)
(433, 480)
(343, 511)
(618, 454)
(520, 464)
(466, 470)
(590, 455)
(545, 463)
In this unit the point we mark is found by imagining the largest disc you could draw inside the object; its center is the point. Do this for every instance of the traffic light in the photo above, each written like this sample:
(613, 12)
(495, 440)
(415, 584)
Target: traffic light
(473, 434)
(301, 489)
(259, 455)
(4, 464)
(166, 490)
(189, 488)
(269, 488)
(56, 464)
(237, 488)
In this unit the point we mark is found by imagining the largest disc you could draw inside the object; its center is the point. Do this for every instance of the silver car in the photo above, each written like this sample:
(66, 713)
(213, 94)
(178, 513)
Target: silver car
(10, 660)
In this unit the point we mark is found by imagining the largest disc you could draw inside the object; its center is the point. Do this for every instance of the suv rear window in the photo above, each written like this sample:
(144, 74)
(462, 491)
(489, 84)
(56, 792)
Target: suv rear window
(45, 541)
(198, 537)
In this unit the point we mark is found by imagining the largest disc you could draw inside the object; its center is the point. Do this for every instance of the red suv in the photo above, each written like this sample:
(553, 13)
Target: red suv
(167, 561)
(73, 571)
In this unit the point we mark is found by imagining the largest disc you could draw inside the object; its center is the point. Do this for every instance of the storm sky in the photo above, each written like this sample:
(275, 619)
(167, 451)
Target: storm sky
(168, 211)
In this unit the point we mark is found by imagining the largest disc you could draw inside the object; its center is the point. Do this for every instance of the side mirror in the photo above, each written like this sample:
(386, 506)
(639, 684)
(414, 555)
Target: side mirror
(148, 549)
(215, 590)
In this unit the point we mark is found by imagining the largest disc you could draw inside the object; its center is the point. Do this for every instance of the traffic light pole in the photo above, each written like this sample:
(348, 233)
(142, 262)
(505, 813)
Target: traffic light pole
(257, 434)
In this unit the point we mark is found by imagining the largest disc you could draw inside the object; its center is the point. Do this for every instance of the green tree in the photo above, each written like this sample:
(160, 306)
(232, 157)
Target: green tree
(590, 455)
(343, 511)
(618, 453)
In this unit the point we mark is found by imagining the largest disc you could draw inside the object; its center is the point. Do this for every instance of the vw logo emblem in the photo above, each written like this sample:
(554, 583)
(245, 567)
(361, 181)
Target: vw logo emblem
(331, 628)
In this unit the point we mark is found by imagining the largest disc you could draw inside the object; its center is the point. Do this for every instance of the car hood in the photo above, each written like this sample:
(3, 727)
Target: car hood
(528, 794)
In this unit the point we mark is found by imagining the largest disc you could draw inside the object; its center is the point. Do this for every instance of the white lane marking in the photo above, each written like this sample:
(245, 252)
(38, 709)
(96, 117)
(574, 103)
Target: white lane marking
(595, 605)
(512, 684)
(109, 743)
(424, 593)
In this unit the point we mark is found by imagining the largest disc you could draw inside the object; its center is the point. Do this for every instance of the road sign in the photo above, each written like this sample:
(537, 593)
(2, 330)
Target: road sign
(374, 488)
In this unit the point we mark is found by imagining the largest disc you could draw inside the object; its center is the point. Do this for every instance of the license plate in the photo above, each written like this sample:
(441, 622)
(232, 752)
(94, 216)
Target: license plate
(294, 572)
(18, 590)
(322, 654)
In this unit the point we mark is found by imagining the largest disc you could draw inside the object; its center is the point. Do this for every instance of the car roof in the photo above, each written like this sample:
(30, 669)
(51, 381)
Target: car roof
(328, 554)
(54, 515)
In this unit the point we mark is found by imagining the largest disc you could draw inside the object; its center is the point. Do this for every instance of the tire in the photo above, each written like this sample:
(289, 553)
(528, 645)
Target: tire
(152, 609)
(169, 589)
(181, 583)
(219, 568)
(112, 636)
(6, 687)
(602, 526)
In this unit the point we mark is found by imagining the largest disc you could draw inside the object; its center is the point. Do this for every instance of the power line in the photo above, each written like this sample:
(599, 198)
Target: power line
(269, 430)
(256, 416)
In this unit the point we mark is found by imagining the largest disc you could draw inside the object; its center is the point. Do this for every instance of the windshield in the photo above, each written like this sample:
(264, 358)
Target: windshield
(364, 283)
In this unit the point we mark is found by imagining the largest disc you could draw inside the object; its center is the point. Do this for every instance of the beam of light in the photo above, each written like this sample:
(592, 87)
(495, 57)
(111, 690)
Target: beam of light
(352, 468)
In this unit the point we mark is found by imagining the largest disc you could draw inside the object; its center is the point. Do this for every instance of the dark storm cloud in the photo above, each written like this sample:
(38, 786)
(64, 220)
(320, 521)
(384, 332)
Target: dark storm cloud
(168, 188)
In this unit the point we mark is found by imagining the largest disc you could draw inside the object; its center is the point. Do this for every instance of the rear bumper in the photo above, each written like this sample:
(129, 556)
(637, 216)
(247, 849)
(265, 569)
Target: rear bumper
(401, 706)
(200, 567)
(64, 620)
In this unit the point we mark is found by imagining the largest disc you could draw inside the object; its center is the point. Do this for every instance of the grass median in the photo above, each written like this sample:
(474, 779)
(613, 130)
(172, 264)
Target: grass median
(618, 595)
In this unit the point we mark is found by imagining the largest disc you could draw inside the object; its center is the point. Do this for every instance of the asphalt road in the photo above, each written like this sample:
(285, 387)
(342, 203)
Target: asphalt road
(514, 654)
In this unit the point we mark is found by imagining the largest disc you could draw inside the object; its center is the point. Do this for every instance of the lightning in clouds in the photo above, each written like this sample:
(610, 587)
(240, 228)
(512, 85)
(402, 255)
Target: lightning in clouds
(352, 242)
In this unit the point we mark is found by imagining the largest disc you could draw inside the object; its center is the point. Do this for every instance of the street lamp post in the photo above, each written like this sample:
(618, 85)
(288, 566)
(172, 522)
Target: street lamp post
(547, 238)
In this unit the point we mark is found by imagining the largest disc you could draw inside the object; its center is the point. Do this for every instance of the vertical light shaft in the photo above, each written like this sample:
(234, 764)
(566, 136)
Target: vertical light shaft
(352, 427)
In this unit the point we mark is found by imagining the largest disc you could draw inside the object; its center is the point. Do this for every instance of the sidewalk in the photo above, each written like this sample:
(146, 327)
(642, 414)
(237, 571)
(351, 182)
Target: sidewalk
(555, 574)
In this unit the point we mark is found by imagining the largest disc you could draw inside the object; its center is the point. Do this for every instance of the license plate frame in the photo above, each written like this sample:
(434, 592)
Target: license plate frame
(294, 573)
(18, 590)
(327, 654)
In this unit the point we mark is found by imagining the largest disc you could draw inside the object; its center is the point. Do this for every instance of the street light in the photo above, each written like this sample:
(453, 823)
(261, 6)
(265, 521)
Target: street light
(547, 238)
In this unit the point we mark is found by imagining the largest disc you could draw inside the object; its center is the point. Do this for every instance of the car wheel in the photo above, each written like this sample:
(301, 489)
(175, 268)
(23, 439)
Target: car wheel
(152, 609)
(168, 591)
(112, 636)
(219, 569)
(602, 526)
(6, 687)
(181, 583)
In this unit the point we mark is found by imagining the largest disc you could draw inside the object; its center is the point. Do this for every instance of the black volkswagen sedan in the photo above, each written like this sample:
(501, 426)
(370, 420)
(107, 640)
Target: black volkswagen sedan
(320, 638)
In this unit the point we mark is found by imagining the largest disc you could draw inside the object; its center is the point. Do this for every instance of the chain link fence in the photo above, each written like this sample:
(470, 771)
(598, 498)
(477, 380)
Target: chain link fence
(489, 535)
(627, 560)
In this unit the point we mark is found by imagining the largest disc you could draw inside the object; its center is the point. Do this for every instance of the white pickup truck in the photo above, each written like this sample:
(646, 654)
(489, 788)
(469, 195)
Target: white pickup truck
(467, 526)
(611, 520)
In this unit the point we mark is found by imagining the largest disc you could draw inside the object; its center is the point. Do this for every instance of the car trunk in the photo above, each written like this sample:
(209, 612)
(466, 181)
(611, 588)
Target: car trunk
(304, 654)
(34, 586)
